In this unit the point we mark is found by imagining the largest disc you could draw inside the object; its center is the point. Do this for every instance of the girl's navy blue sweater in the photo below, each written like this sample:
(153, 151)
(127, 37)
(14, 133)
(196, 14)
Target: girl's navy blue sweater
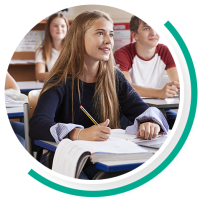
(55, 106)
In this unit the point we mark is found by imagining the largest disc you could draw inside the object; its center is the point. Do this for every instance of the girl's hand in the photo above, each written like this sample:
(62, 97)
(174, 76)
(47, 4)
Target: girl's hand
(148, 130)
(94, 133)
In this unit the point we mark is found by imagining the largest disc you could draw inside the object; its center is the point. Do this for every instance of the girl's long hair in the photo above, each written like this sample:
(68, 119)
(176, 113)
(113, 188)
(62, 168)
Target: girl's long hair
(47, 44)
(70, 65)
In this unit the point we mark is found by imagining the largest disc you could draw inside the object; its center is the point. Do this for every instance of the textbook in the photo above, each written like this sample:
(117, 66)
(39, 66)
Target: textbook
(155, 143)
(14, 99)
(13, 103)
(71, 156)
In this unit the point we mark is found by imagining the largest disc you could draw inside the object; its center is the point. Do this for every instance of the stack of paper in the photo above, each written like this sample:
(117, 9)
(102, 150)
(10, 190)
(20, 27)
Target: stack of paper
(13, 103)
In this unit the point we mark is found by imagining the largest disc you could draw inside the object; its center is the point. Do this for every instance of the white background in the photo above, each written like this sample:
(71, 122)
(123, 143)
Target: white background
(21, 17)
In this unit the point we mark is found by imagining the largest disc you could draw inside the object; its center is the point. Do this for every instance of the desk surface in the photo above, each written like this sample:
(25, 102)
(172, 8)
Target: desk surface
(27, 86)
(15, 111)
(48, 145)
(115, 167)
(168, 103)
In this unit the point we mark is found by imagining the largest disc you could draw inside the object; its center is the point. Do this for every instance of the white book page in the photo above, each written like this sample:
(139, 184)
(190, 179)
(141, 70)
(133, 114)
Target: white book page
(153, 143)
(112, 145)
(141, 140)
(122, 162)
(66, 157)
(81, 165)
(12, 101)
(120, 133)
(11, 105)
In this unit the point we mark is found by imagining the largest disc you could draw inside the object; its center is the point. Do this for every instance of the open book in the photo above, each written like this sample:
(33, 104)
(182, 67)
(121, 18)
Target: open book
(13, 103)
(14, 99)
(71, 156)
(154, 143)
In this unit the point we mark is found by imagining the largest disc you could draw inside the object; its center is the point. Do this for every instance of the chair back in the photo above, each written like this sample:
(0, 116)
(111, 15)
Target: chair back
(29, 108)
(33, 96)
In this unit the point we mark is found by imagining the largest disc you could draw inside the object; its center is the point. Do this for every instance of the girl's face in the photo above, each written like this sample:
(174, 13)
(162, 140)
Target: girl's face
(99, 41)
(58, 28)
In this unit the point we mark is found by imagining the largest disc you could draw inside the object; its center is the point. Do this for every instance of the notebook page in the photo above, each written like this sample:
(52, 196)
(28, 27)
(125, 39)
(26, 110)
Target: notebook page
(10, 100)
(122, 162)
(81, 165)
(11, 105)
(112, 145)
(120, 133)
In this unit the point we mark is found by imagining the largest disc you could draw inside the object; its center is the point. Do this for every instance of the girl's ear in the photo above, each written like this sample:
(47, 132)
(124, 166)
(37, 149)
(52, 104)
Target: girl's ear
(134, 35)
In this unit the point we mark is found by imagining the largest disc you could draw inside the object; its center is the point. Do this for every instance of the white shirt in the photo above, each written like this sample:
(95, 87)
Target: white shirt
(55, 54)
(146, 73)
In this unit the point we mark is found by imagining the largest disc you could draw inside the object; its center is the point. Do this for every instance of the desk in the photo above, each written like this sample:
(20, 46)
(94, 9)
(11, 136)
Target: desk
(112, 167)
(27, 86)
(108, 166)
(15, 112)
(46, 145)
(168, 103)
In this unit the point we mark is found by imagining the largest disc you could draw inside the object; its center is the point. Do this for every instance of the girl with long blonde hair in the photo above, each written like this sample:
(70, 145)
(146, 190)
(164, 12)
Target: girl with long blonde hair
(46, 55)
(84, 74)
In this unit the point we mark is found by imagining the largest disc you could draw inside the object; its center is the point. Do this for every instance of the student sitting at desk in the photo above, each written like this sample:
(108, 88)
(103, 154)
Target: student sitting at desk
(55, 32)
(144, 62)
(17, 127)
(85, 75)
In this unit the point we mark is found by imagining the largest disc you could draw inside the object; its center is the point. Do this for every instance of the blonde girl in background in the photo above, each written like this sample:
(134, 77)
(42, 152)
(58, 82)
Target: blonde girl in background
(84, 74)
(46, 55)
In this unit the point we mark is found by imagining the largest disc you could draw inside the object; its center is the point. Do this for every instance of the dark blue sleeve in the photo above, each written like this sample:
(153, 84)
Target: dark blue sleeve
(44, 114)
(131, 105)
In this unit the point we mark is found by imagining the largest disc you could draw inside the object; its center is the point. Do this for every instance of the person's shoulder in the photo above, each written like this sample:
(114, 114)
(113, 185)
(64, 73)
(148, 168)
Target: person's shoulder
(161, 48)
(39, 49)
(38, 52)
(118, 74)
(163, 52)
(117, 71)
(122, 84)
(57, 91)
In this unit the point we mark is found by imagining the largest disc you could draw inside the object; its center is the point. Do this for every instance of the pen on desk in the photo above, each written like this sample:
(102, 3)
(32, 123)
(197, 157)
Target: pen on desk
(83, 109)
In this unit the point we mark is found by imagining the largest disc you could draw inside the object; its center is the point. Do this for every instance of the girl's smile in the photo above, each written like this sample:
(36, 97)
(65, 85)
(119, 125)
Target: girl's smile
(105, 50)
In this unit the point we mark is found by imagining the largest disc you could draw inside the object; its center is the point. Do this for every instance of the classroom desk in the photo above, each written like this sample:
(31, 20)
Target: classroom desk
(15, 112)
(168, 103)
(112, 167)
(27, 86)
(109, 166)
